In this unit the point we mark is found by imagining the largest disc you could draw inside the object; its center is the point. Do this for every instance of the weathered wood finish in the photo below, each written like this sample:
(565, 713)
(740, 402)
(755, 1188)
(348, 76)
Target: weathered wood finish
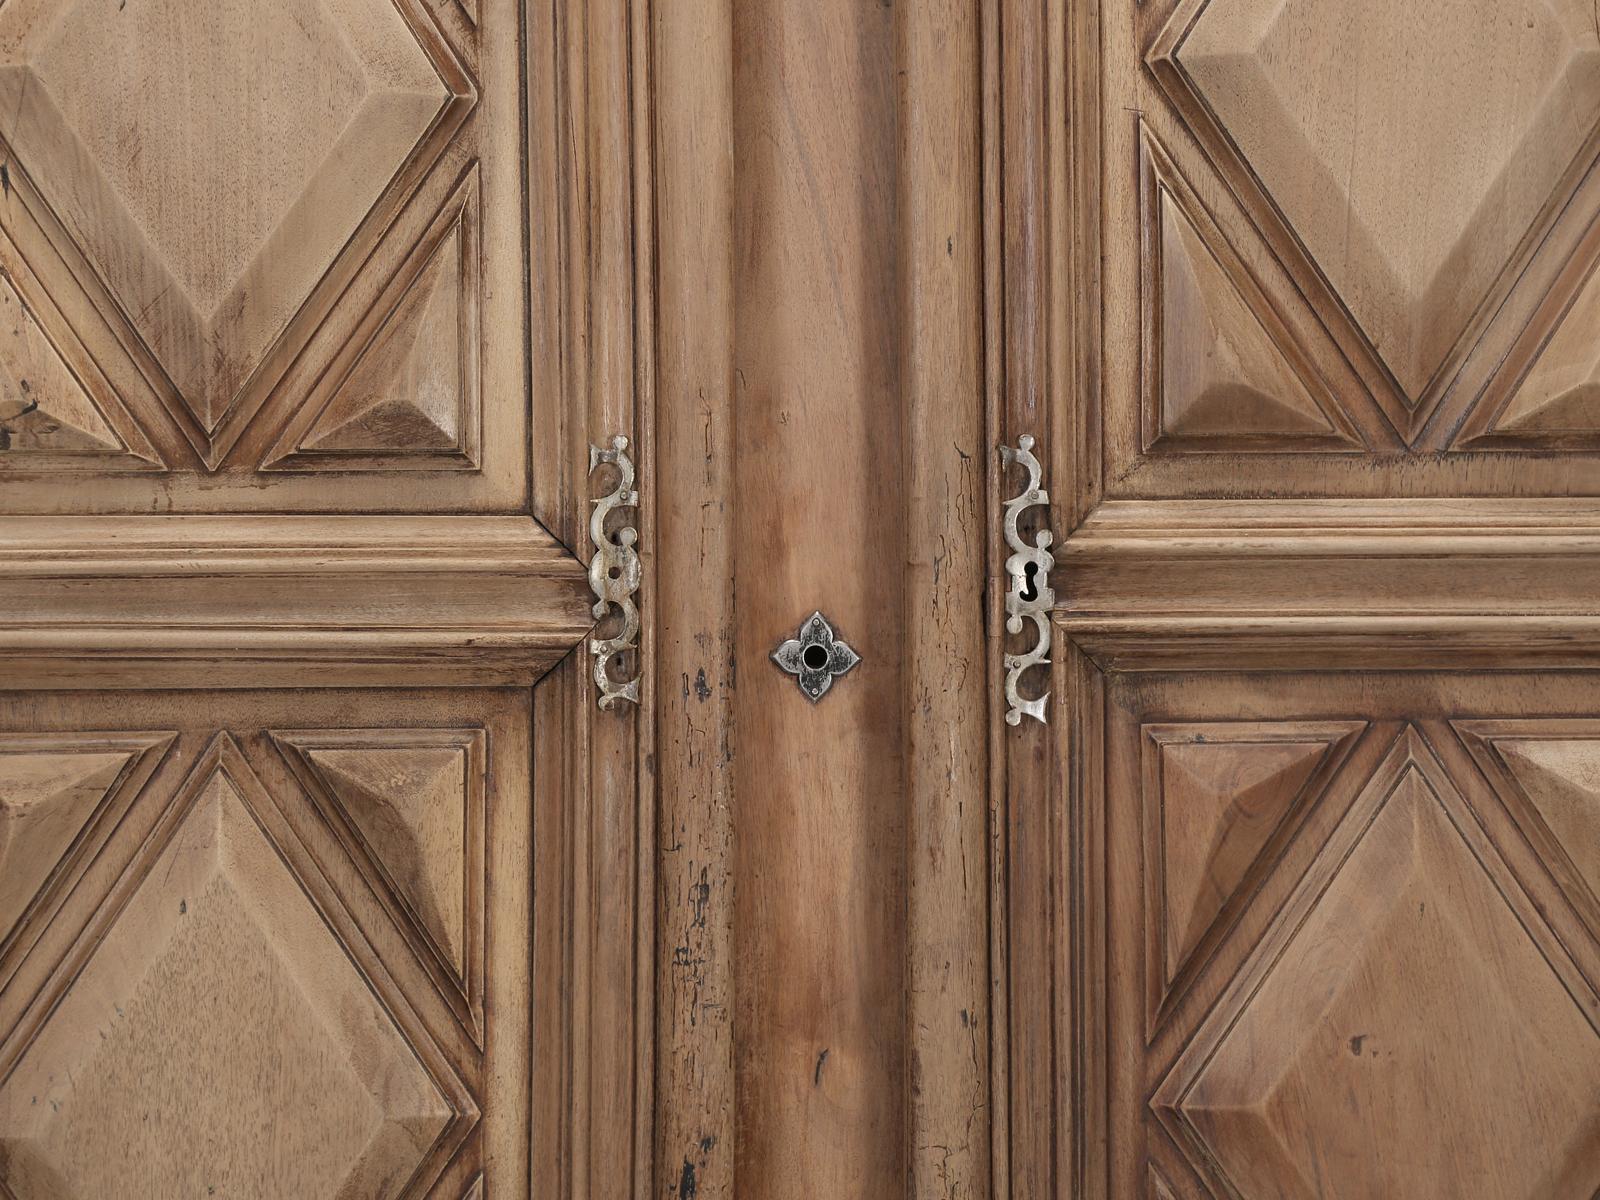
(296, 495)
(322, 877)
(946, 688)
(696, 1139)
(820, 262)
(1297, 893)
(820, 984)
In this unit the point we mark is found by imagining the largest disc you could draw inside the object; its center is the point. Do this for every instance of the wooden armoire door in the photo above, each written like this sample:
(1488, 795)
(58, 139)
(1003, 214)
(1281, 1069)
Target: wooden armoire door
(308, 808)
(1222, 825)
(1302, 876)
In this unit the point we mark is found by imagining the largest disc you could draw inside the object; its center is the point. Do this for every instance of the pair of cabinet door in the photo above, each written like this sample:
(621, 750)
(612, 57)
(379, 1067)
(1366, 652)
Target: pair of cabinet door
(434, 433)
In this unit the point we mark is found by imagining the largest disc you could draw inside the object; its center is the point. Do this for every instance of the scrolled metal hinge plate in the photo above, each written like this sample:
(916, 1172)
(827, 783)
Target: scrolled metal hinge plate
(1030, 597)
(614, 573)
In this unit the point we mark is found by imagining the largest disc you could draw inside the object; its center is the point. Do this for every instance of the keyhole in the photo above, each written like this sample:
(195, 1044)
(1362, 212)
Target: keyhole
(815, 657)
(1030, 585)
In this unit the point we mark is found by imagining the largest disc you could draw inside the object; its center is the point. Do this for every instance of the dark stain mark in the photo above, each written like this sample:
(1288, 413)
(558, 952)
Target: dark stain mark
(707, 1142)
(5, 177)
(5, 430)
(183, 907)
(1357, 1042)
(687, 1187)
(701, 687)
(700, 898)
(816, 1076)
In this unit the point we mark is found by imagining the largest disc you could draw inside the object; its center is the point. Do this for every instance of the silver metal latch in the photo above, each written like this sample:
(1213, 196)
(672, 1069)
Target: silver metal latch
(1031, 597)
(614, 573)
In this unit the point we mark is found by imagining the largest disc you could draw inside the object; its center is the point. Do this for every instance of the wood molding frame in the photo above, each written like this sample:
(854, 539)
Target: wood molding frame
(593, 1123)
(1041, 167)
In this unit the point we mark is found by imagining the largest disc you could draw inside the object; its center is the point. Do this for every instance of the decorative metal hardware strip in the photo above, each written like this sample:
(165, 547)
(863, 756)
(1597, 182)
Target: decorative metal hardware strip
(614, 575)
(1031, 597)
(815, 657)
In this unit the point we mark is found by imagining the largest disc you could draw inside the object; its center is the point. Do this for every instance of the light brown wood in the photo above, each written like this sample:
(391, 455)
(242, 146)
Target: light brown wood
(308, 319)
(696, 1119)
(821, 846)
(298, 376)
(1298, 901)
(946, 690)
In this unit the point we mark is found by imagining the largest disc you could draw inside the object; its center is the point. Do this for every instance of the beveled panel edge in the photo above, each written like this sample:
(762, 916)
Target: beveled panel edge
(1341, 582)
(258, 601)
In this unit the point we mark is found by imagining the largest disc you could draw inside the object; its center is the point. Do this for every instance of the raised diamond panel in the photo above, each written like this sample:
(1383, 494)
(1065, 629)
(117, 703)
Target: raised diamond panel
(219, 1040)
(1414, 151)
(1409, 982)
(213, 162)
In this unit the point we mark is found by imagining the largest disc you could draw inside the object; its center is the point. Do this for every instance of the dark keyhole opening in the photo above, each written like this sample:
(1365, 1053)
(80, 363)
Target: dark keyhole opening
(1030, 585)
(815, 658)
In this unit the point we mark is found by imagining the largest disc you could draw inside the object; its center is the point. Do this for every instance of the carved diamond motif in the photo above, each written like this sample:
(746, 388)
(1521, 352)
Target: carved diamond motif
(1410, 985)
(1411, 148)
(218, 958)
(213, 161)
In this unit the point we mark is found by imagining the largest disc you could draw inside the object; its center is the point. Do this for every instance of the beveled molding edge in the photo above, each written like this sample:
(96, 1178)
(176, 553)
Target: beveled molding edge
(1375, 523)
(1180, 642)
(1354, 584)
(273, 601)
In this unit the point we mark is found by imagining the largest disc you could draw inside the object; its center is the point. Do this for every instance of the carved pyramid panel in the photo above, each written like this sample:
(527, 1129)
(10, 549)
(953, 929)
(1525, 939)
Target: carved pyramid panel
(412, 801)
(1217, 796)
(48, 419)
(410, 397)
(1548, 772)
(50, 789)
(1222, 371)
(1555, 403)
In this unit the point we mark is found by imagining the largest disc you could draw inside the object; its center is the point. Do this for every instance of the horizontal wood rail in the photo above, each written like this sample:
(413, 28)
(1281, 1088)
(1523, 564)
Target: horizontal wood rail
(284, 601)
